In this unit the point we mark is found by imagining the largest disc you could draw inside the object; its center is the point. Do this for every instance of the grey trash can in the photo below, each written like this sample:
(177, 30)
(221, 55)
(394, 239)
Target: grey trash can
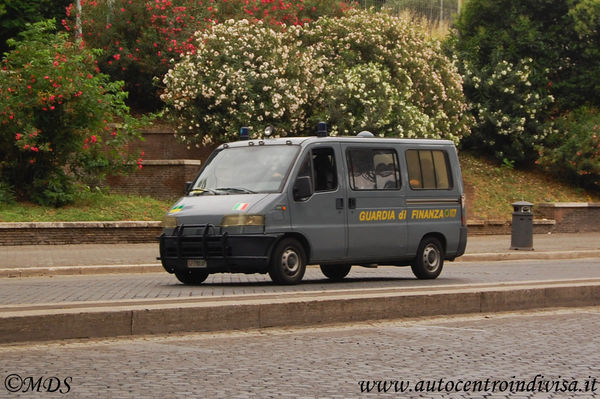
(522, 226)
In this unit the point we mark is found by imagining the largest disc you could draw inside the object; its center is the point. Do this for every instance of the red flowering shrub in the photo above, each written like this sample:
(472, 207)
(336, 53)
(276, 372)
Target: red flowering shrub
(143, 39)
(55, 117)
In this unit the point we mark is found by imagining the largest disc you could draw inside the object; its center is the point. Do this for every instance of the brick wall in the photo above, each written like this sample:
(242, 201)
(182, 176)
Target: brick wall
(161, 143)
(570, 217)
(164, 179)
(167, 165)
(59, 233)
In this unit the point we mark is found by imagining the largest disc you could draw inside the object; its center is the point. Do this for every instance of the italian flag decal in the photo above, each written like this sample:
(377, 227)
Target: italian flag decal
(240, 206)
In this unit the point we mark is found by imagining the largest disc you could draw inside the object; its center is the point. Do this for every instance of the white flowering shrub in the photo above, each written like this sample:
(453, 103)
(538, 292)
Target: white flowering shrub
(364, 71)
(242, 74)
(424, 94)
(510, 116)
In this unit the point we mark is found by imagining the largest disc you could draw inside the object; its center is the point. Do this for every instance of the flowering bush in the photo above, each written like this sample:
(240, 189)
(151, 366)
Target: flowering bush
(573, 150)
(426, 99)
(361, 71)
(242, 74)
(143, 39)
(511, 116)
(55, 116)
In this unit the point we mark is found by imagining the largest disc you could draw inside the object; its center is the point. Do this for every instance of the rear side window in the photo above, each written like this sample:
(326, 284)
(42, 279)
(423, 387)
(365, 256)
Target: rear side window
(428, 170)
(373, 169)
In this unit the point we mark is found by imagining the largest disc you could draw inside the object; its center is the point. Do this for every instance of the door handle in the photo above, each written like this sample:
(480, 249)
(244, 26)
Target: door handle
(339, 203)
(352, 203)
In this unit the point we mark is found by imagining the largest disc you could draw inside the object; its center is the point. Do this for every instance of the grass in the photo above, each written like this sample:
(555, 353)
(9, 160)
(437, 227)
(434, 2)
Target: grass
(495, 187)
(89, 206)
(491, 190)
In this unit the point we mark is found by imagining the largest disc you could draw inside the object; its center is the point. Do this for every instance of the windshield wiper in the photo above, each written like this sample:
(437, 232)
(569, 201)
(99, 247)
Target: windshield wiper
(199, 191)
(236, 189)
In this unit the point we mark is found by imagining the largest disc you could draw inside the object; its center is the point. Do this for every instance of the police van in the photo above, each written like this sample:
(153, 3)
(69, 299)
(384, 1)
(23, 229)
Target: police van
(275, 205)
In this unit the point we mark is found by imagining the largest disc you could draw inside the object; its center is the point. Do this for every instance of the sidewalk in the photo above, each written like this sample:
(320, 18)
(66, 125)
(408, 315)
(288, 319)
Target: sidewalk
(30, 260)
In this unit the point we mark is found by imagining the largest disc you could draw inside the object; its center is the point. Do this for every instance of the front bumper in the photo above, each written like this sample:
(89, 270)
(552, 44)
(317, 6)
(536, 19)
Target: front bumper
(216, 251)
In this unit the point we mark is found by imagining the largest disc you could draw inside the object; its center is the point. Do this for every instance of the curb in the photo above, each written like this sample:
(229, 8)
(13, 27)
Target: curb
(529, 255)
(45, 322)
(157, 268)
(79, 270)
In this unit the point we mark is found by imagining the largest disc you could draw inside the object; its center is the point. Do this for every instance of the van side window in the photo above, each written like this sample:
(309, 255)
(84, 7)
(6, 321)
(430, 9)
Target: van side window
(372, 169)
(319, 165)
(325, 169)
(428, 170)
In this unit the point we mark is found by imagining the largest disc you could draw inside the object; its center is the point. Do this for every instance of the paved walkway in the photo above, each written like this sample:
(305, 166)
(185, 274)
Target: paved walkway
(40, 256)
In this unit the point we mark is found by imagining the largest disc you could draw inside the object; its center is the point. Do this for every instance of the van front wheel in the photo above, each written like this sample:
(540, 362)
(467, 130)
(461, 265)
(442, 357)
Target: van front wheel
(336, 272)
(191, 276)
(430, 259)
(288, 262)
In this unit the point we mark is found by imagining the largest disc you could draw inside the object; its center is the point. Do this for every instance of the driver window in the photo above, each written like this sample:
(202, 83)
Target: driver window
(325, 170)
(320, 166)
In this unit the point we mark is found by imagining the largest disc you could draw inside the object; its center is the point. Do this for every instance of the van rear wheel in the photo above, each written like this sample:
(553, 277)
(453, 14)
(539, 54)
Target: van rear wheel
(288, 262)
(191, 277)
(430, 259)
(336, 272)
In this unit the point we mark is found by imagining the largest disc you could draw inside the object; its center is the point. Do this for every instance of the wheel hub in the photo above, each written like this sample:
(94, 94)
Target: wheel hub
(290, 261)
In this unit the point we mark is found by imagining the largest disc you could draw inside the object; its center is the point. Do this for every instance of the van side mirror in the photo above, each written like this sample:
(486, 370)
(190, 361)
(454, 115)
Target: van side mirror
(302, 188)
(188, 185)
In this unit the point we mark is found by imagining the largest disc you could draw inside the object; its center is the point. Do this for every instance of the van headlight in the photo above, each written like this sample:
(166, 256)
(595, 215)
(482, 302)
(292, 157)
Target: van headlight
(169, 222)
(243, 220)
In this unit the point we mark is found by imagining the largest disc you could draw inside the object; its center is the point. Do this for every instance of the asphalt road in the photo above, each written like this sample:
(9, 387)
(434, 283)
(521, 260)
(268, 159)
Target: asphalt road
(59, 289)
(552, 354)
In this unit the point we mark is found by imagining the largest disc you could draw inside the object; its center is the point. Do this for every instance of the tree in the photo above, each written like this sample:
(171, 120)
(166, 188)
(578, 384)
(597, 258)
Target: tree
(552, 42)
(15, 14)
(58, 117)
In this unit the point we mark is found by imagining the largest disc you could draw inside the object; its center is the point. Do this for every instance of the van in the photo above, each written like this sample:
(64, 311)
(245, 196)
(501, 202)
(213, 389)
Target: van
(276, 205)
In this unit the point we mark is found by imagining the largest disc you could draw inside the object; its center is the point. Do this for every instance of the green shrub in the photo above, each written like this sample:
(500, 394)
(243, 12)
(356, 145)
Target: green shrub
(573, 150)
(360, 71)
(55, 116)
(555, 43)
(7, 194)
(510, 115)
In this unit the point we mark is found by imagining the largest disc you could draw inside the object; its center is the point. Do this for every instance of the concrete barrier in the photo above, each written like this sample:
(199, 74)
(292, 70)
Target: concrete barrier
(22, 323)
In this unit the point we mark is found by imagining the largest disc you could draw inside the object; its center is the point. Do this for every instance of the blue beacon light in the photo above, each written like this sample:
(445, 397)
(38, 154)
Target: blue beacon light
(244, 133)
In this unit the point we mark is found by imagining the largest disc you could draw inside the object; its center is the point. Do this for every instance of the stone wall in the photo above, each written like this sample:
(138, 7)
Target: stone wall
(58, 233)
(167, 164)
(163, 179)
(570, 217)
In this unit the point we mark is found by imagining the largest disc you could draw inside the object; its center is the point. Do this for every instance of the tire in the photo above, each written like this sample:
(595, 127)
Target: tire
(288, 262)
(336, 272)
(191, 277)
(430, 259)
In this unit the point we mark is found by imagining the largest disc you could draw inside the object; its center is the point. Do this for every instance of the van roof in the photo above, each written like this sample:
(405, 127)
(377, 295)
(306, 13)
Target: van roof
(303, 141)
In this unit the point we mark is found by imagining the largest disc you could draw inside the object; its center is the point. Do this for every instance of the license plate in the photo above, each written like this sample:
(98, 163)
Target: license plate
(196, 263)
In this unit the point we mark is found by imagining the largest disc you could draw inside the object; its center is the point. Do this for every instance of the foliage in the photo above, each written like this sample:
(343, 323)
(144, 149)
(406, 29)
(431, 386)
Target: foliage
(241, 74)
(143, 39)
(555, 43)
(574, 150)
(510, 116)
(360, 71)
(428, 99)
(15, 14)
(7, 195)
(57, 114)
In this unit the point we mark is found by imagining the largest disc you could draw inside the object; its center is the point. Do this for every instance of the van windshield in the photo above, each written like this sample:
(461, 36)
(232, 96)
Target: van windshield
(252, 169)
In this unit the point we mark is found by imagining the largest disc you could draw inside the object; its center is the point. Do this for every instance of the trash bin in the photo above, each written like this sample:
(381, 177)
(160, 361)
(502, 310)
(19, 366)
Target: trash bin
(522, 226)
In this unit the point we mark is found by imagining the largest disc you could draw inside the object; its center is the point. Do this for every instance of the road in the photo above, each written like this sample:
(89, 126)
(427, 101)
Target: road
(497, 355)
(36, 290)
